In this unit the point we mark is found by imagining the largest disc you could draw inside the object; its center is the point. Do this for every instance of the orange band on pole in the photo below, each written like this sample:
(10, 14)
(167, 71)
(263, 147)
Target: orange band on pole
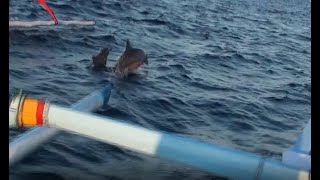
(28, 113)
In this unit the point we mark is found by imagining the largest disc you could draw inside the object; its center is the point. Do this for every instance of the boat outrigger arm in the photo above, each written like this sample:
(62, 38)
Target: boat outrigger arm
(220, 161)
(33, 139)
(299, 155)
(50, 23)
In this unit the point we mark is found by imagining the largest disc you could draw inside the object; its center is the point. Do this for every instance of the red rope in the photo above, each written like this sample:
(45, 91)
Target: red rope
(44, 4)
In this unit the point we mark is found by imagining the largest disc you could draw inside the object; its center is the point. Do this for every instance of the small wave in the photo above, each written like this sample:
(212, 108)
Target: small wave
(207, 86)
(104, 38)
(154, 21)
(115, 113)
(65, 7)
(286, 99)
(145, 12)
(211, 56)
(20, 74)
(242, 125)
(163, 68)
(179, 68)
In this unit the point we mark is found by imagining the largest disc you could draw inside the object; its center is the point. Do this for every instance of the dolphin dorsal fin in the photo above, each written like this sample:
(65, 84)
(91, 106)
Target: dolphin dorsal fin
(128, 46)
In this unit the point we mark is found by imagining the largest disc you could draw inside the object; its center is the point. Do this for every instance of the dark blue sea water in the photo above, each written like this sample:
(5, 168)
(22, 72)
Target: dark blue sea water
(234, 73)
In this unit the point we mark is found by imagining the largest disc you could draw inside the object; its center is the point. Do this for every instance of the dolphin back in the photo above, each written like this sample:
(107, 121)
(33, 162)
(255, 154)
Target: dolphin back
(128, 45)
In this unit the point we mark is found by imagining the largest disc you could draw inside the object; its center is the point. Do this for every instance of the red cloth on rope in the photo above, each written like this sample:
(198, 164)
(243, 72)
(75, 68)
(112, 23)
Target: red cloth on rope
(45, 5)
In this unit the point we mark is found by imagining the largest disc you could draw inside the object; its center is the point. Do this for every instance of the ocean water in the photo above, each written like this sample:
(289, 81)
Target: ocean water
(233, 73)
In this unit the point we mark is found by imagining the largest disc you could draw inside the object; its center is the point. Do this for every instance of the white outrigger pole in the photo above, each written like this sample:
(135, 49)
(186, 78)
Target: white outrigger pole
(220, 161)
(33, 139)
(50, 23)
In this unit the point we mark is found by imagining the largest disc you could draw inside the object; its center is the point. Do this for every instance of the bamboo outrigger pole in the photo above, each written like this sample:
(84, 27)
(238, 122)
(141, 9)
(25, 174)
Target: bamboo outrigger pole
(221, 161)
(50, 23)
(32, 140)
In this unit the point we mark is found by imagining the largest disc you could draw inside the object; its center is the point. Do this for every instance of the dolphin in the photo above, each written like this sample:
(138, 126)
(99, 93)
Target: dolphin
(128, 63)
(130, 60)
(99, 61)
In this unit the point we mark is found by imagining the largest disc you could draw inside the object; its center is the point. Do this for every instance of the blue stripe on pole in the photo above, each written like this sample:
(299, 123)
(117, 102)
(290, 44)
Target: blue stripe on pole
(208, 157)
